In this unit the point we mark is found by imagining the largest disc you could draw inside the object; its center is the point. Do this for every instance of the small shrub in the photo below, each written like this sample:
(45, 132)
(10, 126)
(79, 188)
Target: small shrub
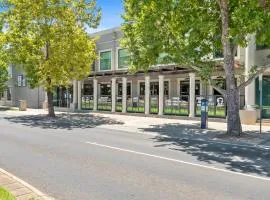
(6, 195)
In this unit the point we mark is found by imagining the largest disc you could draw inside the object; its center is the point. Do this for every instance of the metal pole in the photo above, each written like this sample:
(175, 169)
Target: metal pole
(261, 106)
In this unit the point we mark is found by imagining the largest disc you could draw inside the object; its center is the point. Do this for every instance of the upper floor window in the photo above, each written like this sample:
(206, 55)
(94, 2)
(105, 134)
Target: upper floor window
(262, 46)
(123, 58)
(105, 60)
(162, 58)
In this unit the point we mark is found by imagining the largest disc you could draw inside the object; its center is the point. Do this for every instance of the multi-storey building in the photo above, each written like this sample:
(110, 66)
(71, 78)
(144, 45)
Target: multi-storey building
(18, 89)
(164, 90)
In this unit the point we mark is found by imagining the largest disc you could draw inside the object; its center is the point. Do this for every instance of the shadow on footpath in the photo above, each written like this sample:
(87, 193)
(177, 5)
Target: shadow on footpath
(63, 121)
(195, 142)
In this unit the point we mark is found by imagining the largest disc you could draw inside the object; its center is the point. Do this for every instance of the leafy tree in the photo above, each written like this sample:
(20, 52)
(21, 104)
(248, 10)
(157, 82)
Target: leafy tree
(188, 32)
(49, 39)
(3, 65)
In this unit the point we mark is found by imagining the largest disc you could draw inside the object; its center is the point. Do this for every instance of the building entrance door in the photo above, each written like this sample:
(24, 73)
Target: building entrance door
(265, 96)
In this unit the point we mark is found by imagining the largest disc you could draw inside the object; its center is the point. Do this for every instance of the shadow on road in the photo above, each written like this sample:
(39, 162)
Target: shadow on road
(63, 121)
(194, 141)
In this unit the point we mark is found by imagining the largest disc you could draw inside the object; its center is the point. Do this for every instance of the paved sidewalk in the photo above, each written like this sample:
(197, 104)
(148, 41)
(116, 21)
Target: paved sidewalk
(20, 189)
(157, 127)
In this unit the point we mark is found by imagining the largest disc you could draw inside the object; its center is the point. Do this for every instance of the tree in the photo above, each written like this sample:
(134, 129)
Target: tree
(48, 38)
(3, 79)
(188, 32)
(3, 65)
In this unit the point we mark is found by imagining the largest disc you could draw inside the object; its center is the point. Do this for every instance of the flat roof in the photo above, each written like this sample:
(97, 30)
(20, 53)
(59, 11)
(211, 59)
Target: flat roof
(106, 31)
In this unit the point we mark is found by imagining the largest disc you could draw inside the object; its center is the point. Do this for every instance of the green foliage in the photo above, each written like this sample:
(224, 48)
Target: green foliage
(3, 78)
(5, 195)
(48, 39)
(3, 64)
(189, 31)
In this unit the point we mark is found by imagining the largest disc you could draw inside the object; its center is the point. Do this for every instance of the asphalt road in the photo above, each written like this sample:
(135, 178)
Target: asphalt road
(92, 163)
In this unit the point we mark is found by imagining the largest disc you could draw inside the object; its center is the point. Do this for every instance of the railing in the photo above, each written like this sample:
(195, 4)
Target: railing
(216, 106)
(135, 104)
(118, 104)
(176, 105)
(154, 101)
(87, 102)
(62, 103)
(105, 103)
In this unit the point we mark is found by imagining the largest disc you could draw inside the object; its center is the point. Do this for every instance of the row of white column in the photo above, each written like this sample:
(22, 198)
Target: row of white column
(77, 96)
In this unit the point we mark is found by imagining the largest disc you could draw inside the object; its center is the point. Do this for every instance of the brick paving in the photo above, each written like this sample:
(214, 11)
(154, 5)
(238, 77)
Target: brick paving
(20, 189)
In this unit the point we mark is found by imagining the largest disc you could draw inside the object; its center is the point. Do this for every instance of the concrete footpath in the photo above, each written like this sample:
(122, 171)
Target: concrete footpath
(20, 189)
(180, 127)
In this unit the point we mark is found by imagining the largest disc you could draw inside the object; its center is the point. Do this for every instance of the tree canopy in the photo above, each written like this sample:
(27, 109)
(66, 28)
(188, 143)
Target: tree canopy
(49, 39)
(188, 33)
(3, 64)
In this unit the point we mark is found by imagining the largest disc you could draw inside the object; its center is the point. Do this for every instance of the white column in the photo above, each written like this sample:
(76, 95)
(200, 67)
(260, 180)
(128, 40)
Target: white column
(192, 94)
(124, 95)
(46, 96)
(45, 103)
(161, 95)
(79, 95)
(95, 94)
(113, 93)
(75, 95)
(249, 62)
(147, 95)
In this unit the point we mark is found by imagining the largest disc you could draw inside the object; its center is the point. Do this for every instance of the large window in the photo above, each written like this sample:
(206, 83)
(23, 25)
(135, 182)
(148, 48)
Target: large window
(9, 94)
(221, 83)
(120, 89)
(123, 58)
(262, 46)
(142, 88)
(88, 89)
(184, 88)
(105, 89)
(105, 60)
(154, 88)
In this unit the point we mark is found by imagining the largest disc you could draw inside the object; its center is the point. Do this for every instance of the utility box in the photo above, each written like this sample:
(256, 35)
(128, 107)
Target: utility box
(22, 105)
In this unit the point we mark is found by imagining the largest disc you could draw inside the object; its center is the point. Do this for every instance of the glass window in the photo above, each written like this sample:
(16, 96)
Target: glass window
(88, 89)
(154, 88)
(120, 89)
(166, 88)
(142, 88)
(184, 88)
(123, 58)
(162, 58)
(105, 89)
(220, 83)
(9, 94)
(262, 46)
(105, 60)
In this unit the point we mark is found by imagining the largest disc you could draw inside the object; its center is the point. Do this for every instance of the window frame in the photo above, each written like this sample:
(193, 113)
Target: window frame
(104, 51)
(117, 60)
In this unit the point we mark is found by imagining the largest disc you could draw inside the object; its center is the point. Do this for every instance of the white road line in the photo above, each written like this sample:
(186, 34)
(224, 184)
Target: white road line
(178, 161)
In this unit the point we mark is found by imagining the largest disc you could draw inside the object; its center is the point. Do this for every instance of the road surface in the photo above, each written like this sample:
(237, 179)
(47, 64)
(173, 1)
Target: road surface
(103, 164)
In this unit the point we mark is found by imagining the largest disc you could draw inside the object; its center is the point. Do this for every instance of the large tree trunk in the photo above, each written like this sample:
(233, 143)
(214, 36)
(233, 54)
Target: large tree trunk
(233, 118)
(231, 94)
(51, 112)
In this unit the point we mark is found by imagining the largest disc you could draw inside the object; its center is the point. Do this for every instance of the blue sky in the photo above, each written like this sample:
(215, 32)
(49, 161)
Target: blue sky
(111, 13)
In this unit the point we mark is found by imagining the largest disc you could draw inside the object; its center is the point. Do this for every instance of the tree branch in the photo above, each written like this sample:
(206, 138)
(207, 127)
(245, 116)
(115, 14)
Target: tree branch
(251, 78)
(220, 90)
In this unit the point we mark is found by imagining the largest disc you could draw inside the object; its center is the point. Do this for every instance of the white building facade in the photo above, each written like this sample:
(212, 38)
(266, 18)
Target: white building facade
(164, 90)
